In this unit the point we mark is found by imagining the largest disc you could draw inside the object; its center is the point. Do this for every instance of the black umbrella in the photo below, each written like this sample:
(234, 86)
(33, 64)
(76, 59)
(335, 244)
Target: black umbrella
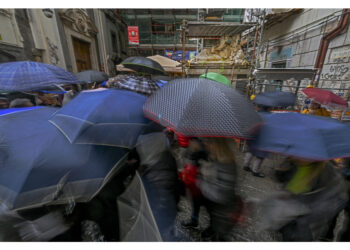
(90, 76)
(202, 108)
(143, 65)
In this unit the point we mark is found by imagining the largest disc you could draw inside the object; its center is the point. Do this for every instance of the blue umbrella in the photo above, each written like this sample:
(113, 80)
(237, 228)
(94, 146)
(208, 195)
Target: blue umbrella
(14, 110)
(103, 117)
(21, 76)
(303, 136)
(275, 99)
(39, 166)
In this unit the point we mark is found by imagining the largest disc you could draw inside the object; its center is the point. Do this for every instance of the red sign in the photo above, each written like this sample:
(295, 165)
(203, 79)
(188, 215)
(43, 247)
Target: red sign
(133, 34)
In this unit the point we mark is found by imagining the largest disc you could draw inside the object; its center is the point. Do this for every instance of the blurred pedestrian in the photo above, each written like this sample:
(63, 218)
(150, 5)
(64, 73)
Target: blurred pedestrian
(217, 180)
(316, 109)
(342, 165)
(253, 156)
(304, 211)
(20, 103)
(195, 153)
(48, 100)
(158, 171)
(71, 92)
(4, 103)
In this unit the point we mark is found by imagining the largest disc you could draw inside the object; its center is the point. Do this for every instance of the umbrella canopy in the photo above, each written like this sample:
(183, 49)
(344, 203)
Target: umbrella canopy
(324, 97)
(202, 108)
(14, 110)
(143, 65)
(135, 214)
(134, 83)
(275, 99)
(304, 136)
(40, 166)
(168, 64)
(216, 77)
(106, 117)
(121, 68)
(21, 76)
(90, 76)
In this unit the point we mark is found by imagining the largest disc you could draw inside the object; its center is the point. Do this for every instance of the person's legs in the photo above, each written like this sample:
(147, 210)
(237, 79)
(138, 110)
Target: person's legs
(247, 159)
(196, 205)
(256, 167)
(344, 234)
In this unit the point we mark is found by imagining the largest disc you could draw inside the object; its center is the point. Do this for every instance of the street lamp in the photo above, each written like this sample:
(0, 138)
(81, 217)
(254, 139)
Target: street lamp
(48, 13)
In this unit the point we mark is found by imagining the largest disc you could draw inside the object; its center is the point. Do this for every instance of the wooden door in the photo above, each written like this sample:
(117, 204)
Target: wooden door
(82, 54)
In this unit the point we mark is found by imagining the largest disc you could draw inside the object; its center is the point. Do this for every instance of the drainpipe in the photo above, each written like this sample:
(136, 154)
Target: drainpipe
(104, 56)
(322, 51)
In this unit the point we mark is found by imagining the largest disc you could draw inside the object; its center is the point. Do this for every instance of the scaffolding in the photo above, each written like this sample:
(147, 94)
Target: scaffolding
(251, 44)
(160, 29)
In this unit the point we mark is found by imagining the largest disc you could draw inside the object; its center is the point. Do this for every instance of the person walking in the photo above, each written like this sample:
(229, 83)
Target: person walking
(255, 157)
(316, 109)
(194, 153)
(217, 180)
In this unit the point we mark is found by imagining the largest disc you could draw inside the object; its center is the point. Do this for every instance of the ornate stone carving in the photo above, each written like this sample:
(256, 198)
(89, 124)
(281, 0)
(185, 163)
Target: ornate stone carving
(53, 49)
(6, 12)
(79, 21)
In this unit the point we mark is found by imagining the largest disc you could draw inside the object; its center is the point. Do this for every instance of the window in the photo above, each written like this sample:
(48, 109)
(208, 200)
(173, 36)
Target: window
(162, 27)
(114, 42)
(278, 65)
(122, 40)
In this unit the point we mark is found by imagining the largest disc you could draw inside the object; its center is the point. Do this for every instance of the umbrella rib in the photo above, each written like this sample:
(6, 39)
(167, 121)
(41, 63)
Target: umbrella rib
(103, 144)
(112, 172)
(61, 131)
(148, 206)
(76, 118)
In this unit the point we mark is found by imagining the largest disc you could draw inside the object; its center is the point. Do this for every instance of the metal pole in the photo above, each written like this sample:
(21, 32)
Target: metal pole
(183, 36)
(260, 38)
(297, 89)
(252, 61)
(266, 52)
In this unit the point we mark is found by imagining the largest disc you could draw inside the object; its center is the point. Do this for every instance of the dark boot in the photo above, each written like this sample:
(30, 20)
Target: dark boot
(257, 174)
(192, 223)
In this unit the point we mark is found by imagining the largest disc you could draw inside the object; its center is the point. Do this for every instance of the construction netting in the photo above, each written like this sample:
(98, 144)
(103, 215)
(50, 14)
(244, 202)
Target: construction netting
(162, 26)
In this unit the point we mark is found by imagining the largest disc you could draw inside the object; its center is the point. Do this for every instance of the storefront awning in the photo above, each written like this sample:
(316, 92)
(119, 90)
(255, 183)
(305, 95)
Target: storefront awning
(215, 29)
(284, 74)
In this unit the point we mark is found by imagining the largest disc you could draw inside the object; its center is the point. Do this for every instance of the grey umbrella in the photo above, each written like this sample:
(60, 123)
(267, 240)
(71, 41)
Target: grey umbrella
(202, 108)
(90, 76)
(275, 99)
(143, 65)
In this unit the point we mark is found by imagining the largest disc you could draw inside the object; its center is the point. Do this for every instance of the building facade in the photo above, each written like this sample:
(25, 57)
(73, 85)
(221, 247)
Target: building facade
(16, 40)
(73, 39)
(112, 39)
(294, 41)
